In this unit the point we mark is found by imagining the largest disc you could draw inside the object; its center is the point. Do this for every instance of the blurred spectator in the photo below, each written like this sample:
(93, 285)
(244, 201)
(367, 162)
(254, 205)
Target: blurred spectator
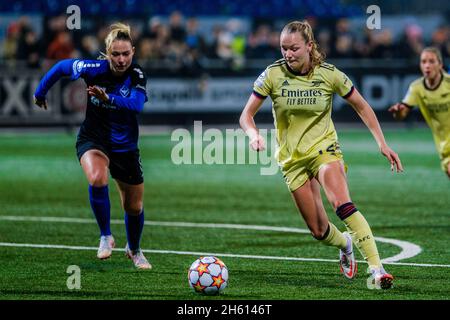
(153, 26)
(194, 39)
(53, 26)
(224, 50)
(161, 42)
(383, 45)
(344, 40)
(61, 47)
(9, 46)
(343, 47)
(441, 40)
(212, 46)
(176, 27)
(324, 41)
(363, 45)
(90, 47)
(145, 50)
(28, 48)
(238, 42)
(184, 48)
(101, 36)
(274, 45)
(412, 43)
(261, 44)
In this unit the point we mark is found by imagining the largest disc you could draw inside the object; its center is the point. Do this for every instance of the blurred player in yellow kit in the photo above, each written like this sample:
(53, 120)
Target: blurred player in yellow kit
(431, 93)
(301, 87)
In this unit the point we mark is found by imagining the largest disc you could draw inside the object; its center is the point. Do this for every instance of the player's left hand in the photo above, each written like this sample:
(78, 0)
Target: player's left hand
(392, 157)
(98, 93)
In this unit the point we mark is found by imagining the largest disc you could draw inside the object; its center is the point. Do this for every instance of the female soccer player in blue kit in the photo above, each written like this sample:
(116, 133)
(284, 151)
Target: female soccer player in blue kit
(108, 138)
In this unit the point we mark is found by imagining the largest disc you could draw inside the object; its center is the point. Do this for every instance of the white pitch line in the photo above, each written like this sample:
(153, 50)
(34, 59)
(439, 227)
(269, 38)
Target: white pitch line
(158, 223)
(408, 249)
(244, 256)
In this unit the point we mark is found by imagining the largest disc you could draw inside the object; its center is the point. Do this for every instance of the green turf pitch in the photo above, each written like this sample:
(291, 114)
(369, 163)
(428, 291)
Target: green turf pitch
(40, 177)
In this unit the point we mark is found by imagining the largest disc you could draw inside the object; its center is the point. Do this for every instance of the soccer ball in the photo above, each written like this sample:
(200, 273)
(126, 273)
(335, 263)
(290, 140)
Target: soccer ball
(208, 275)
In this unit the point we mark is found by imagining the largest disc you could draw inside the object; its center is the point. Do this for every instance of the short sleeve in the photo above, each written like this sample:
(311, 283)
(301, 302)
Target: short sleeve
(263, 86)
(411, 98)
(342, 84)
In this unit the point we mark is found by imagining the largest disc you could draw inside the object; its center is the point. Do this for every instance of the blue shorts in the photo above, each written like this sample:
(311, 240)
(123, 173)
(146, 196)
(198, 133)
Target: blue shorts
(123, 166)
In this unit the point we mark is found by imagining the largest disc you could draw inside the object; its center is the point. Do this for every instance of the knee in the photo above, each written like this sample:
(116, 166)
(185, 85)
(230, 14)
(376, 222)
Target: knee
(133, 208)
(98, 178)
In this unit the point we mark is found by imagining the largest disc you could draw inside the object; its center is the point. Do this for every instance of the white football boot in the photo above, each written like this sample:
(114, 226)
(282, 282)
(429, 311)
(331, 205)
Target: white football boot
(379, 279)
(138, 258)
(347, 262)
(107, 243)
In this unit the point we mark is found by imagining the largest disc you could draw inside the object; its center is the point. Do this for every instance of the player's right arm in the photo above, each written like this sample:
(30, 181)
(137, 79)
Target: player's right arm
(62, 68)
(248, 123)
(262, 88)
(67, 67)
(401, 110)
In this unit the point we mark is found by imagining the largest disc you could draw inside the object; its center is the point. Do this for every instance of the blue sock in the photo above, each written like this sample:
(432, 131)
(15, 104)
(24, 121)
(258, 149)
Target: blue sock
(134, 226)
(99, 198)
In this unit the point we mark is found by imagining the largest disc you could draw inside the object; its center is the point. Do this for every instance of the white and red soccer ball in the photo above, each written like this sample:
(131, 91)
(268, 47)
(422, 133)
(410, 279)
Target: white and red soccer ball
(208, 275)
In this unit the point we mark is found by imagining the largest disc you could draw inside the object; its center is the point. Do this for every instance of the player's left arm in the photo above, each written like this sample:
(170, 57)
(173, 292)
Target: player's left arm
(135, 101)
(366, 113)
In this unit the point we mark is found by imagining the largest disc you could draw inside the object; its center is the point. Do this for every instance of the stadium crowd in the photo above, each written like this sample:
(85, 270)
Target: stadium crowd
(178, 44)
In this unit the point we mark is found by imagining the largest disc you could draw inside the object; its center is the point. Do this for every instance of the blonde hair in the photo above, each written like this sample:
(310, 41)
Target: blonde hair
(119, 31)
(436, 51)
(304, 28)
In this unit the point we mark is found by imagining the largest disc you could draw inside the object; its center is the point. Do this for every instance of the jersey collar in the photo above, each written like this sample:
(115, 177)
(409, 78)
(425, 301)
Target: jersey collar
(428, 88)
(295, 72)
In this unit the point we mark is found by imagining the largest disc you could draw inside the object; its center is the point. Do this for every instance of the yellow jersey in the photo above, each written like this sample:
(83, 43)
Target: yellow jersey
(301, 106)
(434, 104)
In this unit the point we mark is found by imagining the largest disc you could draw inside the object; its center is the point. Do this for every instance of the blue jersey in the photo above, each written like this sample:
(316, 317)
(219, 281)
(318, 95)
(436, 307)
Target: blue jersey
(112, 124)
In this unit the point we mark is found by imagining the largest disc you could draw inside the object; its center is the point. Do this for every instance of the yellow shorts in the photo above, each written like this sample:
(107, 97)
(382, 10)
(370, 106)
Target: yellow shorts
(306, 167)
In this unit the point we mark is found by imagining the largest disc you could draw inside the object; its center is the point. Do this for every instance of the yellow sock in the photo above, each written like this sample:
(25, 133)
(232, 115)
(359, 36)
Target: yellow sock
(362, 237)
(334, 238)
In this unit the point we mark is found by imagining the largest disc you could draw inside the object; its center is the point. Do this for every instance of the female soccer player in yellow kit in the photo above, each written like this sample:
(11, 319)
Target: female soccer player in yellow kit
(431, 93)
(301, 87)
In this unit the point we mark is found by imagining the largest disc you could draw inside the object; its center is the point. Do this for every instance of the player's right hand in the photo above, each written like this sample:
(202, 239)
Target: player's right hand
(258, 143)
(40, 103)
(398, 111)
(394, 159)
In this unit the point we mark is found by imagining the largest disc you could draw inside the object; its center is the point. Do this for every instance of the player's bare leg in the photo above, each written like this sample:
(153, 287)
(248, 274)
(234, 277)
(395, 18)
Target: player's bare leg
(334, 182)
(332, 178)
(310, 205)
(95, 166)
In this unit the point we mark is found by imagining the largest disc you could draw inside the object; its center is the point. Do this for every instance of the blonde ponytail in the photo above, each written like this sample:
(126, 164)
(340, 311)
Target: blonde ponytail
(119, 31)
